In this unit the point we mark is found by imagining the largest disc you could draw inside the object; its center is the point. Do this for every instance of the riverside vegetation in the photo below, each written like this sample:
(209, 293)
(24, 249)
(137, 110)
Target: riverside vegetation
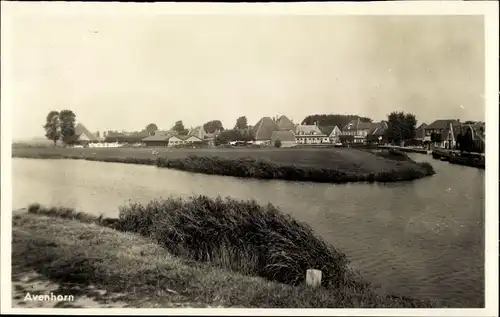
(316, 165)
(199, 250)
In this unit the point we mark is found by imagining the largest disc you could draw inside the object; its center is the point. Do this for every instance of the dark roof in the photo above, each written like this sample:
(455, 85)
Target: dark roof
(441, 124)
(283, 136)
(158, 136)
(308, 129)
(420, 131)
(358, 125)
(326, 129)
(285, 124)
(475, 129)
(185, 137)
(265, 128)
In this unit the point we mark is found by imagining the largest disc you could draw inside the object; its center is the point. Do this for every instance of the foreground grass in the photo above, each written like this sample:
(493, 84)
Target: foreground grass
(316, 165)
(217, 252)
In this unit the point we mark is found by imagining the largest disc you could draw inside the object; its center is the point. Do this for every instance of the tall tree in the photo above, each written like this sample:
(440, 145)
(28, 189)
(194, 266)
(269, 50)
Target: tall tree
(151, 128)
(212, 126)
(52, 127)
(179, 128)
(241, 123)
(67, 119)
(401, 126)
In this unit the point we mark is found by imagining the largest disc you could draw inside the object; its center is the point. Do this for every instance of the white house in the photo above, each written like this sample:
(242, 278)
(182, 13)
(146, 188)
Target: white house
(310, 134)
(183, 139)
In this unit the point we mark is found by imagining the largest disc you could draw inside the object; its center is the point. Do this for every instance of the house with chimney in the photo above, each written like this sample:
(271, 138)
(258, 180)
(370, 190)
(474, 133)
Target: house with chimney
(158, 138)
(441, 133)
(311, 135)
(264, 131)
(359, 132)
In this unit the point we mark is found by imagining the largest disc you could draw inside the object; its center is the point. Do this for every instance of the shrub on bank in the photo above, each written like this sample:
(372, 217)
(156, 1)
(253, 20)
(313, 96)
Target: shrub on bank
(263, 169)
(240, 235)
(78, 256)
(393, 154)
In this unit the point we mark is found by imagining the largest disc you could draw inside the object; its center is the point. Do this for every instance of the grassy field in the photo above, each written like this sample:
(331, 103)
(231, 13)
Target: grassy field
(320, 165)
(197, 252)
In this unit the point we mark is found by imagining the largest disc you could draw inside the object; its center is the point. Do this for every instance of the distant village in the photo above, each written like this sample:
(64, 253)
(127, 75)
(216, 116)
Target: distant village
(270, 131)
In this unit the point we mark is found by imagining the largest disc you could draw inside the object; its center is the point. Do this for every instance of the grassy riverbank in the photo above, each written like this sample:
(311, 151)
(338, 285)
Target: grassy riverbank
(328, 165)
(201, 251)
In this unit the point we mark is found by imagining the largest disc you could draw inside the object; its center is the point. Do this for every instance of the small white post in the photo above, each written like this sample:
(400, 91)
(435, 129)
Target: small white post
(313, 278)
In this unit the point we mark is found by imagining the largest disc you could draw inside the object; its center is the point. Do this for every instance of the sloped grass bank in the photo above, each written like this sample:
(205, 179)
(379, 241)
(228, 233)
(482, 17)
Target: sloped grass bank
(320, 165)
(238, 252)
(264, 169)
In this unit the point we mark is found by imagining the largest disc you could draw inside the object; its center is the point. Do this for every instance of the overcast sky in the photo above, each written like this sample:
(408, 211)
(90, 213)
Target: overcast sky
(122, 72)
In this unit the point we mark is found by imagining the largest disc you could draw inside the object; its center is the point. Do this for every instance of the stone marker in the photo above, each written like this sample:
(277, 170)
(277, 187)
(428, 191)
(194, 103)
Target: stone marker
(313, 278)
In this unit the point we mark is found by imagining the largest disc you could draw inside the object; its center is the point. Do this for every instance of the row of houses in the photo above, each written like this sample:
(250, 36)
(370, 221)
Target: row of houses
(267, 131)
(444, 133)
(441, 133)
(83, 137)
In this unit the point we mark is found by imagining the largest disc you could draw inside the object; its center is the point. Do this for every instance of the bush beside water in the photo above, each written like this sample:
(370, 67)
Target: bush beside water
(78, 255)
(239, 235)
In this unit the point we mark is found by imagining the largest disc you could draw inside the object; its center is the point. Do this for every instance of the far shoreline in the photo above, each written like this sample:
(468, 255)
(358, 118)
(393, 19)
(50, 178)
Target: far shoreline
(321, 165)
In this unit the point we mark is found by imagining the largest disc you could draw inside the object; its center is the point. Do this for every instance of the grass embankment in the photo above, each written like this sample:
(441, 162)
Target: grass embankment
(199, 250)
(316, 165)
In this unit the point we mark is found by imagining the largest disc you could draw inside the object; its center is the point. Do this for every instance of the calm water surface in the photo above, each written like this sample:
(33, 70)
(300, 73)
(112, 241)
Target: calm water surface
(423, 238)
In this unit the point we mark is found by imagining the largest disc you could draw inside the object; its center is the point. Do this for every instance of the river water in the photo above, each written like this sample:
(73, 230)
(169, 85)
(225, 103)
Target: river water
(423, 238)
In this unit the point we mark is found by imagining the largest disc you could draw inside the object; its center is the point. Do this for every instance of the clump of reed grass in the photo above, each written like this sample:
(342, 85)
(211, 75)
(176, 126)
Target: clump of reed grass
(239, 235)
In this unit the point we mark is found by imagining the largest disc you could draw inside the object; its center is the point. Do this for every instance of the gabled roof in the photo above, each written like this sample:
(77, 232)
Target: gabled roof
(81, 129)
(308, 130)
(475, 129)
(326, 129)
(442, 124)
(159, 136)
(358, 125)
(265, 128)
(378, 128)
(184, 137)
(285, 124)
(283, 135)
(420, 131)
(198, 132)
